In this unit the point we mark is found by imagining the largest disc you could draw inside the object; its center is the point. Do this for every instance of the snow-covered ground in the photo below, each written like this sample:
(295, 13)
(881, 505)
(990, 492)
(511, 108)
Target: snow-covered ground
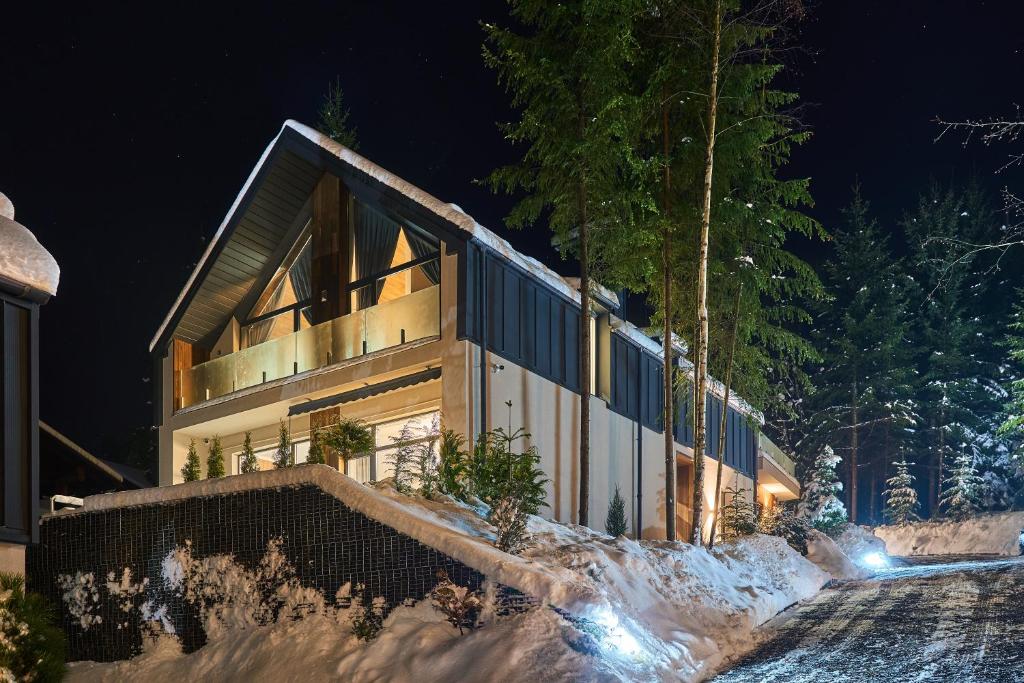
(642, 611)
(991, 534)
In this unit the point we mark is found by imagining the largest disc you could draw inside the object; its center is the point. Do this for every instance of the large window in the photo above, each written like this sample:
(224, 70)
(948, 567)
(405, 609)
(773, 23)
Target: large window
(265, 456)
(284, 305)
(418, 430)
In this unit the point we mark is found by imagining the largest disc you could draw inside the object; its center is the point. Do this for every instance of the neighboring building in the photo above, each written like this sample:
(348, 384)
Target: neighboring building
(333, 286)
(28, 278)
(67, 469)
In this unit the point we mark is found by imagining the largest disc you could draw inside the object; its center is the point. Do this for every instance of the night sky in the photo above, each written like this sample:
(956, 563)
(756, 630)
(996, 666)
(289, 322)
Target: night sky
(126, 134)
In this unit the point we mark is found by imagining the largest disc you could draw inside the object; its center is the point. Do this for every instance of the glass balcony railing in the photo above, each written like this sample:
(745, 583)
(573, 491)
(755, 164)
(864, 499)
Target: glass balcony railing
(775, 453)
(396, 322)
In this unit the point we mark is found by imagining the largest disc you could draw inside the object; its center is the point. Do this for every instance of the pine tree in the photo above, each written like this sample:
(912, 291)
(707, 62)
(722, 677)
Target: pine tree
(283, 456)
(737, 515)
(334, 117)
(316, 450)
(962, 491)
(615, 522)
(215, 460)
(567, 74)
(192, 470)
(864, 392)
(402, 458)
(900, 495)
(820, 504)
(248, 462)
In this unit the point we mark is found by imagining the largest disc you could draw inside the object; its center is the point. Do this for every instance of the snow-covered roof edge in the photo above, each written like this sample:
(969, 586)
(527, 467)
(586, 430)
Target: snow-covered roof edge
(25, 262)
(510, 570)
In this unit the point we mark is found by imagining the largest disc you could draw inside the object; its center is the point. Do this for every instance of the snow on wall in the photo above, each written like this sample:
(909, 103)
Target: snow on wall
(509, 570)
(992, 534)
(23, 259)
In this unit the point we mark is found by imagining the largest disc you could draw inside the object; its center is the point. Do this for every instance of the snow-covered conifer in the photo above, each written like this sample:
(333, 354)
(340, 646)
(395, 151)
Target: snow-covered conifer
(509, 519)
(900, 495)
(737, 515)
(820, 504)
(962, 491)
(191, 470)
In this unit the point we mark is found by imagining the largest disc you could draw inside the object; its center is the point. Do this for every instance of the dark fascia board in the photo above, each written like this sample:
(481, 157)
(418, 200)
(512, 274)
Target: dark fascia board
(365, 187)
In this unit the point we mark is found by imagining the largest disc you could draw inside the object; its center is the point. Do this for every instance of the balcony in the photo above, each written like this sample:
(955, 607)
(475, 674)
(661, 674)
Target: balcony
(387, 325)
(776, 470)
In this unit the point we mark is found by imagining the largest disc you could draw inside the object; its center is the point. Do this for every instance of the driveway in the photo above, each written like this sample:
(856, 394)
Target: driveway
(948, 619)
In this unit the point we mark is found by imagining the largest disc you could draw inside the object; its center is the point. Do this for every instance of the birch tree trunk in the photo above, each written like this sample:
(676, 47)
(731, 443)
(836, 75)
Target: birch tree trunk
(701, 360)
(725, 413)
(666, 296)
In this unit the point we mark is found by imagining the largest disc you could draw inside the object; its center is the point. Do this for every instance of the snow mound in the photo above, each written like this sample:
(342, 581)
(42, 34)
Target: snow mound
(829, 556)
(630, 610)
(859, 541)
(22, 258)
(991, 534)
(6, 207)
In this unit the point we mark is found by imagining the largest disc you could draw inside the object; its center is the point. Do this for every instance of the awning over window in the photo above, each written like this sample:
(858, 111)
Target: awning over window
(366, 392)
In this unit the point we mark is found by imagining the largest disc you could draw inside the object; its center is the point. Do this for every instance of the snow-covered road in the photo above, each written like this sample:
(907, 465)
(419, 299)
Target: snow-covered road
(959, 620)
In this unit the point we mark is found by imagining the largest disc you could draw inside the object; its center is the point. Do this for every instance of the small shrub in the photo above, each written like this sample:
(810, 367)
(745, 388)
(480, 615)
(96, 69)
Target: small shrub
(316, 450)
(615, 522)
(425, 464)
(403, 458)
(781, 520)
(248, 462)
(32, 647)
(453, 464)
(497, 471)
(509, 518)
(737, 515)
(348, 438)
(215, 460)
(192, 469)
(283, 456)
(367, 619)
(460, 606)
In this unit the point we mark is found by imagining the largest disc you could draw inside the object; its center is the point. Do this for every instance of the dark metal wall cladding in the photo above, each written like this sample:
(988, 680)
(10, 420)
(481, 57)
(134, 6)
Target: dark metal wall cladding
(327, 542)
(277, 198)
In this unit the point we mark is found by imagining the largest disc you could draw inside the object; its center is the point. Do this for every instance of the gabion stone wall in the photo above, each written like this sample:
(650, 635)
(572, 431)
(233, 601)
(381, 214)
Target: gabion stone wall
(328, 543)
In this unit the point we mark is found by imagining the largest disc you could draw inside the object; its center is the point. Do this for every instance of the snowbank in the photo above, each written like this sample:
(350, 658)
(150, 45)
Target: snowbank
(826, 553)
(640, 610)
(860, 541)
(991, 534)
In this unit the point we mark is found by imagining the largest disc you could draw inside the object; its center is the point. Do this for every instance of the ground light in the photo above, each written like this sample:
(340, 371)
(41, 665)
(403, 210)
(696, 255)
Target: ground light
(618, 637)
(875, 560)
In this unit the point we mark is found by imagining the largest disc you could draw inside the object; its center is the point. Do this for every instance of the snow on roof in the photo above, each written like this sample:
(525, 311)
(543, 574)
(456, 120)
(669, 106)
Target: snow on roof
(23, 260)
(516, 572)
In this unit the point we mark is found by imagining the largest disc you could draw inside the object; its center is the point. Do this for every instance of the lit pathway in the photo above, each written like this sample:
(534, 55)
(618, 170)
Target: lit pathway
(961, 621)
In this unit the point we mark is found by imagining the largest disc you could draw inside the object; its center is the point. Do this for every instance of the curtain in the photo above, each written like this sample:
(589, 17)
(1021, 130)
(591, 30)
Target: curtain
(376, 239)
(300, 275)
(421, 246)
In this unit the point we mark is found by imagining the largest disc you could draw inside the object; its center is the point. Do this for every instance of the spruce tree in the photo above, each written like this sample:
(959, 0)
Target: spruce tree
(316, 450)
(192, 469)
(248, 462)
(864, 397)
(568, 78)
(334, 117)
(737, 515)
(900, 495)
(962, 490)
(820, 504)
(615, 521)
(283, 456)
(215, 460)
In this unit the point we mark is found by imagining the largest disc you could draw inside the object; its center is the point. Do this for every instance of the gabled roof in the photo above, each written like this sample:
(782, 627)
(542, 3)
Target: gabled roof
(85, 455)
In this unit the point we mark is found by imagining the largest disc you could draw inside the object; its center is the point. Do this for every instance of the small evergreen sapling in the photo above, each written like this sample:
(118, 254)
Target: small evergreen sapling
(962, 491)
(334, 117)
(367, 619)
(215, 460)
(509, 520)
(402, 458)
(615, 521)
(192, 469)
(900, 495)
(737, 515)
(248, 463)
(316, 450)
(453, 464)
(283, 456)
(820, 504)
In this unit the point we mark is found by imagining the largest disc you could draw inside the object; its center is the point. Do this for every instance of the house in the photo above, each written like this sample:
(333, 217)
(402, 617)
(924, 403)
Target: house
(28, 278)
(68, 470)
(334, 287)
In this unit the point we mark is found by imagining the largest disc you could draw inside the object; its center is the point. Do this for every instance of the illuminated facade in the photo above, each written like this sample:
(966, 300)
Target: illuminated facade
(335, 288)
